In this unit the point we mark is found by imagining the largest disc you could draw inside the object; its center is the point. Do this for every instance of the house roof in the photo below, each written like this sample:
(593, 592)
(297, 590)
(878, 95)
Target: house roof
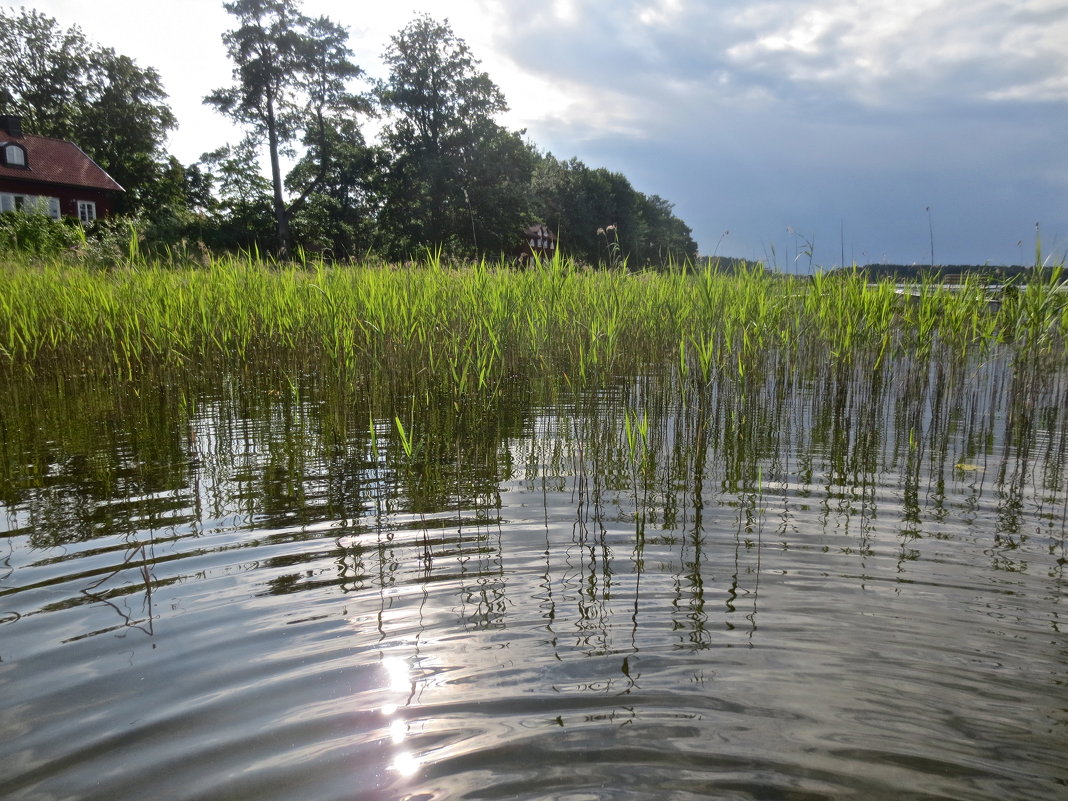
(55, 161)
(539, 229)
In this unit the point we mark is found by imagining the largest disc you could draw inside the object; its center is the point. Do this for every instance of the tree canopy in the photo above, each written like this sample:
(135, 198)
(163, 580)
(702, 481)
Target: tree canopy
(446, 155)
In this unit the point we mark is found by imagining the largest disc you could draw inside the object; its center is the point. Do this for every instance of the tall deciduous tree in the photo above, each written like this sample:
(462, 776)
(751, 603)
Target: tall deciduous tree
(41, 64)
(495, 179)
(64, 86)
(290, 74)
(666, 239)
(601, 218)
(442, 107)
(233, 196)
(329, 105)
(125, 127)
(339, 216)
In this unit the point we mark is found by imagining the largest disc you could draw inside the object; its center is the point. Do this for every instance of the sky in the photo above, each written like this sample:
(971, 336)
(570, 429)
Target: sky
(797, 132)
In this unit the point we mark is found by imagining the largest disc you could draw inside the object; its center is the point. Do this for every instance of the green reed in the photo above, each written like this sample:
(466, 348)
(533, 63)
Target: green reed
(467, 329)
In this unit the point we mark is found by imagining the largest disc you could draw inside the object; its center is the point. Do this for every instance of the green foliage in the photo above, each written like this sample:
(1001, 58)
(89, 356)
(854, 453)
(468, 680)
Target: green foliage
(602, 219)
(41, 62)
(236, 212)
(38, 235)
(452, 171)
(435, 87)
(108, 242)
(444, 175)
(495, 185)
(455, 331)
(338, 218)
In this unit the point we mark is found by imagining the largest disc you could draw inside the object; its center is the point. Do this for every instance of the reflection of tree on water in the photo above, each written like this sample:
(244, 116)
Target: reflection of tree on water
(8, 570)
(588, 557)
(98, 471)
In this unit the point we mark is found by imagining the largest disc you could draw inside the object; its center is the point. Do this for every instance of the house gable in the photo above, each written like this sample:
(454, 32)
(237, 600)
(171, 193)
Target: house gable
(538, 242)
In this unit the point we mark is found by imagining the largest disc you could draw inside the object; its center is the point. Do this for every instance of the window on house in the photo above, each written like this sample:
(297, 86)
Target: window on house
(31, 204)
(14, 156)
(86, 210)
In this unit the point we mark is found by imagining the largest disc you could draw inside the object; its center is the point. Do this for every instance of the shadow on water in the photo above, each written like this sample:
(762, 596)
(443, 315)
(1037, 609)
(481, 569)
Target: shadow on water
(810, 579)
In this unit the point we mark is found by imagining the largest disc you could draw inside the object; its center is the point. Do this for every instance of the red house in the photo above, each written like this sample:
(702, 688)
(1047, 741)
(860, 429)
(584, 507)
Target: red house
(51, 176)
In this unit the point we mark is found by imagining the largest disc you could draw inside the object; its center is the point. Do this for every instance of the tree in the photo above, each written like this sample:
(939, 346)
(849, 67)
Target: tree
(125, 126)
(65, 87)
(495, 179)
(291, 74)
(442, 107)
(40, 63)
(565, 198)
(329, 107)
(339, 216)
(665, 238)
(602, 219)
(235, 196)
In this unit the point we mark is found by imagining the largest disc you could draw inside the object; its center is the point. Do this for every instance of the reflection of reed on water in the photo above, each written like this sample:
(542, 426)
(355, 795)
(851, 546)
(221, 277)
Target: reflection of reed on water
(139, 558)
(672, 474)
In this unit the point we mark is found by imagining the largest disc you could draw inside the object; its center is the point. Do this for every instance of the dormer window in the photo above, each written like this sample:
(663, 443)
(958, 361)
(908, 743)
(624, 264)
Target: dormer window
(14, 155)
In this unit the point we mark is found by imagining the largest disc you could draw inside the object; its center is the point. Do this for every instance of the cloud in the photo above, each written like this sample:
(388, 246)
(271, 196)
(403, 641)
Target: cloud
(906, 55)
(753, 116)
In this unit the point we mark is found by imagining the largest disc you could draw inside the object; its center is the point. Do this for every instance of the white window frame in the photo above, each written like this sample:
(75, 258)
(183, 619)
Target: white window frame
(30, 204)
(86, 210)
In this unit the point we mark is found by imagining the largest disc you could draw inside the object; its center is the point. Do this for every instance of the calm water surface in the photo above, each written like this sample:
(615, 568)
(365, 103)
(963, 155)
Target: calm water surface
(827, 585)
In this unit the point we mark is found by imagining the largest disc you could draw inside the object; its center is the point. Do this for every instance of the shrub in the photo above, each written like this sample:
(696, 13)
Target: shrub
(39, 235)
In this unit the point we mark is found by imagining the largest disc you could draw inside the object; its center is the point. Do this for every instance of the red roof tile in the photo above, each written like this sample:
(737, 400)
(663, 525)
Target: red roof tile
(54, 161)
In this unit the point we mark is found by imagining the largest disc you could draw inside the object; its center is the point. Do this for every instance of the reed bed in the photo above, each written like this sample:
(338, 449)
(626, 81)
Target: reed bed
(422, 379)
(473, 327)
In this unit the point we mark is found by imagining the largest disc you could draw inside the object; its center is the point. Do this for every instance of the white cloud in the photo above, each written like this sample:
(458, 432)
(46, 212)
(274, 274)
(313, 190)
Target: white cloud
(663, 12)
(564, 11)
(906, 55)
(901, 53)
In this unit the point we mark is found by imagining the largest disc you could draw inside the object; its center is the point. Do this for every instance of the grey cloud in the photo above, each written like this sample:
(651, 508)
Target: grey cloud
(805, 49)
(755, 116)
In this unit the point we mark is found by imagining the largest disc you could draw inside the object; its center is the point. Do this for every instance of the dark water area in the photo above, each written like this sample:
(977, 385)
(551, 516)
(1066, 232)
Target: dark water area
(836, 582)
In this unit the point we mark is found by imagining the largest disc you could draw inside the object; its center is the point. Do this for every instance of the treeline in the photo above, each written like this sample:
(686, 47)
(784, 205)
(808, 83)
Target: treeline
(442, 173)
(918, 272)
(729, 264)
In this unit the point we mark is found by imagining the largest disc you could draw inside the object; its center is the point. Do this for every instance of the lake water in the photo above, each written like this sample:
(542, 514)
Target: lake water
(831, 583)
